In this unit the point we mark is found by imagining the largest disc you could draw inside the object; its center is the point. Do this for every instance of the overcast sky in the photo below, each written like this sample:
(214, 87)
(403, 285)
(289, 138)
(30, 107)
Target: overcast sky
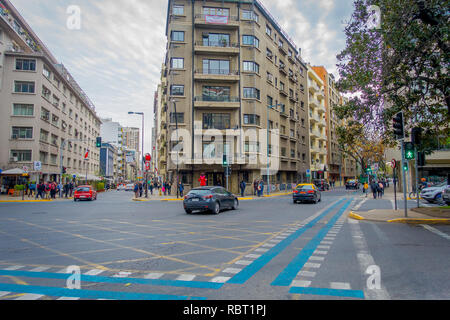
(117, 53)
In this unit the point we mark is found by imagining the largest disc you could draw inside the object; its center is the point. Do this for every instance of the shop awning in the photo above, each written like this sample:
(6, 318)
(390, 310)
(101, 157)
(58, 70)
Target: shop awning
(13, 172)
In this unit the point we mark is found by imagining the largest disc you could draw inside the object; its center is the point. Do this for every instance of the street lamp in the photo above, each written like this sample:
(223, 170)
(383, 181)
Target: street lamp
(142, 155)
(176, 130)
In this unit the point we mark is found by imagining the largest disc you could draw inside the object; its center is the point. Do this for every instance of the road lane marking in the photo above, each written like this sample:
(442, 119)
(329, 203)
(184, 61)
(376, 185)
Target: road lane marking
(186, 277)
(244, 262)
(14, 268)
(286, 277)
(232, 270)
(340, 285)
(328, 292)
(154, 275)
(259, 263)
(69, 298)
(436, 231)
(39, 269)
(30, 296)
(301, 283)
(307, 274)
(220, 279)
(93, 272)
(4, 293)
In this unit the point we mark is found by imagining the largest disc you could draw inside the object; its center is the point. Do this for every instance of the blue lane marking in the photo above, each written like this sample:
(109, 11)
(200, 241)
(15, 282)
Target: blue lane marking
(259, 263)
(290, 272)
(88, 278)
(91, 294)
(328, 292)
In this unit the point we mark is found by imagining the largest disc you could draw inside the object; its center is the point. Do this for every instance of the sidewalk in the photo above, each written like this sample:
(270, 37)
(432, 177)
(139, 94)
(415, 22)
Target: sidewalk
(9, 199)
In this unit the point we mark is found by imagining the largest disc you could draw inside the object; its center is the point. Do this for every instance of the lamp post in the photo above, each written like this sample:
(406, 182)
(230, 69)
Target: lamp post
(142, 148)
(176, 130)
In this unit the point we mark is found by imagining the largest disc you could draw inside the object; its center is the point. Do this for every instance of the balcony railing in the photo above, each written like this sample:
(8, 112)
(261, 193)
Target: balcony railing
(220, 44)
(217, 99)
(219, 72)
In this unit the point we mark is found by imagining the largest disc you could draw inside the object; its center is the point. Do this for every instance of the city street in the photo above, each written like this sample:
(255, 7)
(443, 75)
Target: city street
(268, 249)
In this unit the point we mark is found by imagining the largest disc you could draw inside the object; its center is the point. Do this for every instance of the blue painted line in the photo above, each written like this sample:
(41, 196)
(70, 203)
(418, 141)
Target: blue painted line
(102, 279)
(259, 263)
(91, 294)
(328, 292)
(290, 272)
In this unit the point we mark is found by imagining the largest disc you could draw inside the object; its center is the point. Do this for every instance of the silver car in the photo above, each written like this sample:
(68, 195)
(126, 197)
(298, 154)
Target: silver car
(434, 194)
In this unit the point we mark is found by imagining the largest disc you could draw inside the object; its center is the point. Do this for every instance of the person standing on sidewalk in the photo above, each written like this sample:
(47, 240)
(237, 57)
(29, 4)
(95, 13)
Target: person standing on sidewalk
(366, 188)
(380, 189)
(136, 190)
(242, 186)
(181, 188)
(374, 189)
(32, 189)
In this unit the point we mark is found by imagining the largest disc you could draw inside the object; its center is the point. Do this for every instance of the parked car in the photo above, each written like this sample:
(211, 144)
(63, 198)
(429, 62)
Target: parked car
(308, 193)
(129, 187)
(209, 199)
(352, 184)
(121, 187)
(321, 184)
(85, 193)
(434, 194)
(446, 195)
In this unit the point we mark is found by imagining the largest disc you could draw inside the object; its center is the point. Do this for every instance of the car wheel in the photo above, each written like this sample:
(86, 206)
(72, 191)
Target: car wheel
(188, 211)
(438, 198)
(294, 201)
(315, 200)
(235, 204)
(217, 208)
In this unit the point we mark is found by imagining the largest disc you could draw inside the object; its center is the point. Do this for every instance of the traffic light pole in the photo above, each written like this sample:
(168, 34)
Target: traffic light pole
(404, 178)
(417, 178)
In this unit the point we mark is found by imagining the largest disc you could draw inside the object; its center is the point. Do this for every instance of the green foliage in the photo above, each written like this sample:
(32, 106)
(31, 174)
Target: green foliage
(401, 66)
(19, 187)
(100, 186)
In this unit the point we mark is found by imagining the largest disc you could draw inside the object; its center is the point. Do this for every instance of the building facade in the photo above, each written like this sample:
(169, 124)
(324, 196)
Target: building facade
(232, 74)
(47, 122)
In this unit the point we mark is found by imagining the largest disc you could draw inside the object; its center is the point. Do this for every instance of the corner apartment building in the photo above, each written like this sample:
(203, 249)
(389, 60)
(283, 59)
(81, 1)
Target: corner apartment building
(230, 66)
(317, 125)
(45, 117)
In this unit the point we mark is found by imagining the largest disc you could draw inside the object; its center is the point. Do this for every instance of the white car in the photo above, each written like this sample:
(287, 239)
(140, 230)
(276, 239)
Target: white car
(434, 194)
(129, 187)
(121, 187)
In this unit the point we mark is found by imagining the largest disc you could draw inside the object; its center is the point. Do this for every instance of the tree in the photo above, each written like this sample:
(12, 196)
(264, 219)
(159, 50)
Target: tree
(400, 66)
(354, 143)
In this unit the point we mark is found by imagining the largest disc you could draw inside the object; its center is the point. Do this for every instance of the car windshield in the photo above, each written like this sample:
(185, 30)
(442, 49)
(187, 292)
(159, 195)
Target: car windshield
(200, 192)
(305, 188)
(83, 190)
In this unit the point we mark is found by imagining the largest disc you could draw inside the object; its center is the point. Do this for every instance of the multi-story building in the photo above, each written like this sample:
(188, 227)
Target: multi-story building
(108, 155)
(231, 70)
(332, 98)
(45, 117)
(317, 125)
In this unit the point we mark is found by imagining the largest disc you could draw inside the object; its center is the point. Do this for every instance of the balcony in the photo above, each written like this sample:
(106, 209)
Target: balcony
(283, 69)
(291, 58)
(314, 118)
(283, 92)
(313, 102)
(313, 87)
(216, 75)
(292, 98)
(216, 21)
(203, 47)
(293, 78)
(321, 94)
(314, 134)
(282, 50)
(224, 102)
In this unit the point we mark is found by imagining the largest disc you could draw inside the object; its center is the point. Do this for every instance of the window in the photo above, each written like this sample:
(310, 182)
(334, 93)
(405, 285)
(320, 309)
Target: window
(250, 41)
(55, 120)
(45, 114)
(269, 77)
(268, 30)
(23, 87)
(251, 93)
(249, 15)
(177, 63)
(26, 64)
(220, 121)
(46, 72)
(213, 93)
(22, 133)
(216, 40)
(177, 36)
(46, 93)
(177, 117)
(269, 53)
(269, 101)
(23, 109)
(56, 101)
(21, 155)
(177, 90)
(43, 156)
(178, 10)
(252, 119)
(216, 66)
(251, 146)
(251, 66)
(53, 159)
(289, 53)
(216, 11)
(281, 86)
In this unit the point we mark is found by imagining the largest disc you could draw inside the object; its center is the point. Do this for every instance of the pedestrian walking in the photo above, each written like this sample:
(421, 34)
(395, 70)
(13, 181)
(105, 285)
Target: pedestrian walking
(242, 185)
(32, 189)
(66, 190)
(141, 189)
(255, 187)
(374, 189)
(380, 189)
(151, 185)
(136, 190)
(366, 188)
(181, 188)
(71, 187)
(169, 188)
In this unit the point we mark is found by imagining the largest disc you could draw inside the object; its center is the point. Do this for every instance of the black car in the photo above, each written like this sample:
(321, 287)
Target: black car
(321, 184)
(308, 193)
(352, 184)
(209, 199)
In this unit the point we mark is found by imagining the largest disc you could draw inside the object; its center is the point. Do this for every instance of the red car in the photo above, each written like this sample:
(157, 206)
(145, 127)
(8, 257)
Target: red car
(85, 193)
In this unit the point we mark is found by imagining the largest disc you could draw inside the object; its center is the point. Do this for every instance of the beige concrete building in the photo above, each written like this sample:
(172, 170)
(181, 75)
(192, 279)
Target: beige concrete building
(317, 125)
(45, 117)
(230, 68)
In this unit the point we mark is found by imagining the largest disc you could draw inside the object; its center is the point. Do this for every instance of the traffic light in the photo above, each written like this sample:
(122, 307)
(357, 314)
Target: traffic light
(225, 160)
(398, 126)
(99, 142)
(416, 134)
(405, 166)
(64, 170)
(409, 151)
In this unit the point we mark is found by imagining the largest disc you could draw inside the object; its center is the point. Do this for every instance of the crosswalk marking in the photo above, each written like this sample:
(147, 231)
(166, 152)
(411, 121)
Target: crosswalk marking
(93, 272)
(340, 285)
(154, 275)
(4, 293)
(12, 268)
(39, 269)
(121, 274)
(68, 298)
(186, 277)
(220, 279)
(307, 274)
(300, 283)
(232, 270)
(253, 256)
(244, 262)
(312, 265)
(315, 258)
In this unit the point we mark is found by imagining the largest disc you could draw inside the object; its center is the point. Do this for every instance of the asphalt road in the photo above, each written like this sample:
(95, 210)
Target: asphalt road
(268, 249)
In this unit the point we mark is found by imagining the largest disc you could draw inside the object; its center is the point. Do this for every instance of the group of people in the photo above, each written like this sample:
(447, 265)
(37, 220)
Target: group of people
(258, 187)
(377, 188)
(164, 187)
(49, 190)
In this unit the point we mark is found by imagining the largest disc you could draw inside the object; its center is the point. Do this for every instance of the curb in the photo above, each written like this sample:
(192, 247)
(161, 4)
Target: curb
(420, 221)
(24, 201)
(355, 216)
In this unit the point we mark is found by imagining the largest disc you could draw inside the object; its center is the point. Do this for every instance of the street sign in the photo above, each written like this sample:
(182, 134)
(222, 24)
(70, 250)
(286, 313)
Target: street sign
(394, 163)
(37, 166)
